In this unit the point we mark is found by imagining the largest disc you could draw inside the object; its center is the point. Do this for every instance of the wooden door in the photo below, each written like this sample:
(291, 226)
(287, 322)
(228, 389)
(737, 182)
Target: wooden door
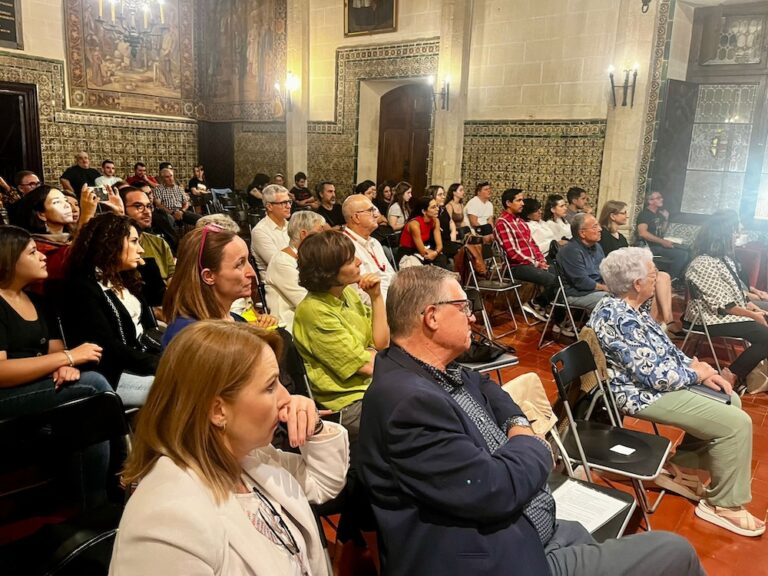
(216, 151)
(19, 130)
(404, 129)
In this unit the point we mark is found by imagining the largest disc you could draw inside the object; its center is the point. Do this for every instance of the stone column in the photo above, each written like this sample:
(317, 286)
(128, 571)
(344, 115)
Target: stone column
(297, 63)
(625, 126)
(455, 43)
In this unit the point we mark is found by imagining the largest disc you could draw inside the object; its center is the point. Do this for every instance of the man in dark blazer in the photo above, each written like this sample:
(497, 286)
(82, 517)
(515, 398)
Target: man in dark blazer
(456, 476)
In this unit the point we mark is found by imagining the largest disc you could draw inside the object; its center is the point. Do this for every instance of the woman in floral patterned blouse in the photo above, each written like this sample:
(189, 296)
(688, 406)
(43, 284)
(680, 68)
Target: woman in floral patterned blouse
(651, 378)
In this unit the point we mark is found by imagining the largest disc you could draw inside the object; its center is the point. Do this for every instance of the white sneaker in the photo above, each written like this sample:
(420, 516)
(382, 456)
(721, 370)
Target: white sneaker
(563, 329)
(531, 310)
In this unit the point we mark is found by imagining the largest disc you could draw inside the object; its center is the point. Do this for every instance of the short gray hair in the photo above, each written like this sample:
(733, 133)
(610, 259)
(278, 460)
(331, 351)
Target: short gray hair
(412, 290)
(220, 220)
(578, 223)
(622, 267)
(302, 220)
(269, 194)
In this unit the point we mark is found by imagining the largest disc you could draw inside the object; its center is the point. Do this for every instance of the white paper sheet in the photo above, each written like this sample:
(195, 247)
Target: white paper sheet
(586, 505)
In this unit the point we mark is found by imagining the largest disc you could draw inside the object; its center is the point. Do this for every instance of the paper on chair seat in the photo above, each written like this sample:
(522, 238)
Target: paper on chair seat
(585, 505)
(623, 450)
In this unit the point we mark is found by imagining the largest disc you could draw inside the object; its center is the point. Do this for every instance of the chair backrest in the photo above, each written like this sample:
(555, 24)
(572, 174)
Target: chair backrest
(569, 365)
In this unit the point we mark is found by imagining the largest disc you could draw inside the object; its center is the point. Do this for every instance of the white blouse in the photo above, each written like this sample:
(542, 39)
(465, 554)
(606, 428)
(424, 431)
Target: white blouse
(542, 234)
(559, 228)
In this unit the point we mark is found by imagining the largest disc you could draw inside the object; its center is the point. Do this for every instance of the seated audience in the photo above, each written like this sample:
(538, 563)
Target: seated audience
(171, 198)
(613, 216)
(139, 207)
(383, 197)
(480, 210)
(400, 207)
(212, 272)
(724, 301)
(300, 194)
(577, 203)
(270, 235)
(652, 224)
(140, 176)
(525, 258)
(651, 380)
(328, 208)
(75, 205)
(421, 235)
(213, 496)
(108, 177)
(101, 302)
(447, 225)
(80, 174)
(26, 181)
(580, 260)
(255, 201)
(336, 334)
(197, 183)
(454, 205)
(360, 217)
(554, 217)
(282, 278)
(37, 371)
(368, 189)
(278, 179)
(456, 476)
(540, 232)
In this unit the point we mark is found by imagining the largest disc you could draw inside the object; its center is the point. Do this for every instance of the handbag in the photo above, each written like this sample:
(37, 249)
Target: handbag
(483, 349)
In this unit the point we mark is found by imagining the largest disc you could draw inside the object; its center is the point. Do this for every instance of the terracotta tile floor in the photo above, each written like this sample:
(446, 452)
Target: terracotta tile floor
(722, 553)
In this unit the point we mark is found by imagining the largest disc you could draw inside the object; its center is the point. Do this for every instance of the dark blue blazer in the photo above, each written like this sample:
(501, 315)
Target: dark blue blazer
(445, 505)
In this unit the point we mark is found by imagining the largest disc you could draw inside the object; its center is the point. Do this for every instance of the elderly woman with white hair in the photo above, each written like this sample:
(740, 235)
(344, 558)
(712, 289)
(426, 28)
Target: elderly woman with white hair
(651, 380)
(282, 277)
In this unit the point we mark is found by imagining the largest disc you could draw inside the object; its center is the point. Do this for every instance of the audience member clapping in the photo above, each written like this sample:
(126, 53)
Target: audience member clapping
(101, 302)
(652, 380)
(213, 496)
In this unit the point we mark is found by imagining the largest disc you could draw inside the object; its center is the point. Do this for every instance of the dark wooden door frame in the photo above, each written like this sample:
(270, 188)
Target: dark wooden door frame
(31, 145)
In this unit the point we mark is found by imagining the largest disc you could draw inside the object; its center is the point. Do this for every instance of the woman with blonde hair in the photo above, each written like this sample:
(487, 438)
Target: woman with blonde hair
(213, 496)
(613, 216)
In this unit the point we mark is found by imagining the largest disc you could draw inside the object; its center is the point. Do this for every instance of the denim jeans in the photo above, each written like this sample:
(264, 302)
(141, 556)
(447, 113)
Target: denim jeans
(85, 472)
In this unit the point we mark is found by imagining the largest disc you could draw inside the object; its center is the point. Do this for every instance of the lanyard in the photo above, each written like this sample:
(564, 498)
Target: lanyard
(380, 266)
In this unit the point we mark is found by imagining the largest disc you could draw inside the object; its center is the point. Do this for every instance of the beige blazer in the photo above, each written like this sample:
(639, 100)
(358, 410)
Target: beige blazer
(172, 525)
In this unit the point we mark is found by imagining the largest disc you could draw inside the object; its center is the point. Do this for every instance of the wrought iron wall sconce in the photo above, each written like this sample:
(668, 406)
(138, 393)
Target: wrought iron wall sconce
(627, 88)
(646, 6)
(444, 94)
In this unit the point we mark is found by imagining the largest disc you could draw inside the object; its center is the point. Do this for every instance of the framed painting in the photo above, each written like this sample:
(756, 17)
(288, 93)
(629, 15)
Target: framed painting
(363, 17)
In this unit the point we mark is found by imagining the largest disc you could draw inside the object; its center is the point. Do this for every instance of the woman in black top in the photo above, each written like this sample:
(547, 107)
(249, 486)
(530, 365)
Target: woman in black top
(447, 226)
(612, 217)
(102, 302)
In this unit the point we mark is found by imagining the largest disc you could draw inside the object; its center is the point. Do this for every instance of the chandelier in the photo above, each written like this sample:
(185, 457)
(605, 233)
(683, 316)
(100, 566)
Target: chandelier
(134, 21)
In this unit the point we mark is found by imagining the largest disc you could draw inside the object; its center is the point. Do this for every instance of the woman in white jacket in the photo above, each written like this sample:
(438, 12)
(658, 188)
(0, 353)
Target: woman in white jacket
(213, 496)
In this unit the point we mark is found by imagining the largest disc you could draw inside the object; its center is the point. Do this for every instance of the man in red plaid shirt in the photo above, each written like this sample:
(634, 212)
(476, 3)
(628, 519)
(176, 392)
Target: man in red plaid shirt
(527, 261)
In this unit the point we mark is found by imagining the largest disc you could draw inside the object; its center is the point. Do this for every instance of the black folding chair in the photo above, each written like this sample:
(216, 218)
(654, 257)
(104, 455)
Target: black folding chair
(635, 455)
(43, 441)
(560, 302)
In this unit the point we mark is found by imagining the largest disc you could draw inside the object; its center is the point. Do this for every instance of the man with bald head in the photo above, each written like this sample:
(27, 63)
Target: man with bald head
(75, 177)
(361, 218)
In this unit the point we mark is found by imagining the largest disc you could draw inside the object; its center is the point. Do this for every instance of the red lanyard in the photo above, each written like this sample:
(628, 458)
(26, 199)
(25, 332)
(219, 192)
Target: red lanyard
(381, 267)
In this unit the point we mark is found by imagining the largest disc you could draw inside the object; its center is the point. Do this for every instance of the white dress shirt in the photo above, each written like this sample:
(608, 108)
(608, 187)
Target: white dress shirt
(283, 290)
(373, 261)
(267, 238)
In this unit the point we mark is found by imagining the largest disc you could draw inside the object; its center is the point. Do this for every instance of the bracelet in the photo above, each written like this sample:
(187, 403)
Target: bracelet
(319, 425)
(69, 357)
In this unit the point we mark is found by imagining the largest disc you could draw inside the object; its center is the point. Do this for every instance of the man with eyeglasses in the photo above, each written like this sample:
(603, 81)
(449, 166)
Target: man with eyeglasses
(361, 218)
(139, 207)
(580, 261)
(652, 224)
(456, 476)
(270, 235)
(26, 181)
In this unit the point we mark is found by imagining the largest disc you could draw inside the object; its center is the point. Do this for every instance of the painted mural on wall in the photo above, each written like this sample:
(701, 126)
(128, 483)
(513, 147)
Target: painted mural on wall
(131, 55)
(242, 67)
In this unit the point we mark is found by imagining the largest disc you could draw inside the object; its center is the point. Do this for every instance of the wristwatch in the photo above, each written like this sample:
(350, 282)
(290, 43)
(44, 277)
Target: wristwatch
(521, 421)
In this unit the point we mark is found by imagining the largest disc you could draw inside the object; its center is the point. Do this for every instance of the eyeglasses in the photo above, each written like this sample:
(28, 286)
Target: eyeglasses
(32, 184)
(207, 229)
(274, 521)
(372, 211)
(139, 207)
(283, 203)
(622, 212)
(464, 305)
(593, 227)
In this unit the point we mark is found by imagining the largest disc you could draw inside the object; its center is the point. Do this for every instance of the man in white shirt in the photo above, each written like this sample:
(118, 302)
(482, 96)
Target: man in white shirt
(108, 178)
(270, 235)
(361, 218)
(479, 210)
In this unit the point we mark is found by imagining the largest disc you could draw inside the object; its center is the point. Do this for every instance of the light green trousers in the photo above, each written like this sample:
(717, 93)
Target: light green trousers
(718, 438)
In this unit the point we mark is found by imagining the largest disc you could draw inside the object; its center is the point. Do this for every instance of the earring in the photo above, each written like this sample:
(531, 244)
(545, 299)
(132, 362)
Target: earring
(222, 426)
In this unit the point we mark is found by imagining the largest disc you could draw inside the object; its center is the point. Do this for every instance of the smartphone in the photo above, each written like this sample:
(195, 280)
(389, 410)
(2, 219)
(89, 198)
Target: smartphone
(101, 194)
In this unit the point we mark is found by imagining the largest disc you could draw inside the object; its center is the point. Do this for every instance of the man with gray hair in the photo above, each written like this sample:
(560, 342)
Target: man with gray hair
(282, 277)
(457, 478)
(270, 235)
(579, 262)
(361, 218)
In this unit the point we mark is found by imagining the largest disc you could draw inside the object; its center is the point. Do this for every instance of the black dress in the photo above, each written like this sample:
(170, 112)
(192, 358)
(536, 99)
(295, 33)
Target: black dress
(608, 243)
